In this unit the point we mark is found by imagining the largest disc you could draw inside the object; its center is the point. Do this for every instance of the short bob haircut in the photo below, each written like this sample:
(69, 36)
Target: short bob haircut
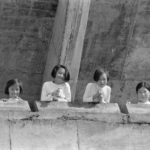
(142, 84)
(11, 83)
(66, 75)
(98, 72)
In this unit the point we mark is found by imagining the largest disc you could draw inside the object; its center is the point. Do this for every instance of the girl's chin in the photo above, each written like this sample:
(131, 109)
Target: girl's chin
(13, 97)
(59, 81)
(102, 85)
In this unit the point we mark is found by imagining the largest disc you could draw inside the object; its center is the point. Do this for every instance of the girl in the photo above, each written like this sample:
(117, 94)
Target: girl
(143, 92)
(13, 90)
(59, 88)
(99, 91)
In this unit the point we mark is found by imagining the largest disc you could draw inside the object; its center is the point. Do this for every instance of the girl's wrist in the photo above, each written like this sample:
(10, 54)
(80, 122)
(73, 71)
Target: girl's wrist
(95, 99)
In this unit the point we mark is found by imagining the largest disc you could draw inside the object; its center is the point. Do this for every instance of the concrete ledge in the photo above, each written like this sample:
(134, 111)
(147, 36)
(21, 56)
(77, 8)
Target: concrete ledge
(139, 113)
(85, 107)
(65, 111)
(86, 111)
(14, 106)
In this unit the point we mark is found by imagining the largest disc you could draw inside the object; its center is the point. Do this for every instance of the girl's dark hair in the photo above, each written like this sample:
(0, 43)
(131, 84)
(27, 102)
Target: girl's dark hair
(13, 82)
(142, 84)
(66, 75)
(98, 72)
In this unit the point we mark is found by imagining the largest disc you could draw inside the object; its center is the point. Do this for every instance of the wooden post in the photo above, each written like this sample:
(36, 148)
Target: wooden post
(76, 23)
(68, 37)
(54, 52)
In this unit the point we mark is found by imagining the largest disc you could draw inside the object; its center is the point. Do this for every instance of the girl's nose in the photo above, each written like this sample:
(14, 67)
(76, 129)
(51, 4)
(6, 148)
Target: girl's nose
(15, 92)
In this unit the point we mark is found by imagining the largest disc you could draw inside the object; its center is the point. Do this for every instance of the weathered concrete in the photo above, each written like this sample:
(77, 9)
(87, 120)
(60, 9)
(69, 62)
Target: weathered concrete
(138, 113)
(4, 135)
(55, 110)
(68, 128)
(101, 136)
(42, 135)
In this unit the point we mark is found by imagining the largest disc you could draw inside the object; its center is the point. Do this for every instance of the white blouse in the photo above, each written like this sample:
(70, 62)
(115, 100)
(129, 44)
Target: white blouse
(49, 87)
(93, 88)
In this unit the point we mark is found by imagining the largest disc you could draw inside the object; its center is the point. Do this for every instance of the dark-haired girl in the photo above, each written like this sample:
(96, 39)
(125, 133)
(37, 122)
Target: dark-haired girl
(98, 91)
(143, 92)
(59, 88)
(13, 89)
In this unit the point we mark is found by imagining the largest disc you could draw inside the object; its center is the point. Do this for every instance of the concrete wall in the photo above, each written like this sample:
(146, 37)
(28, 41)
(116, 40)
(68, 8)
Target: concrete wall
(25, 32)
(117, 38)
(60, 127)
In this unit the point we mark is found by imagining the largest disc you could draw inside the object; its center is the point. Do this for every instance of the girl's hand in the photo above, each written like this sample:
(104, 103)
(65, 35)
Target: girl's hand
(58, 93)
(5, 100)
(55, 93)
(101, 97)
(55, 99)
(96, 97)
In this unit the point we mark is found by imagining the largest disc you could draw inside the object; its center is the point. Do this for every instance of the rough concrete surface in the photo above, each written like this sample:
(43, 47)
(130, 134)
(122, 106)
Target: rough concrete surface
(72, 130)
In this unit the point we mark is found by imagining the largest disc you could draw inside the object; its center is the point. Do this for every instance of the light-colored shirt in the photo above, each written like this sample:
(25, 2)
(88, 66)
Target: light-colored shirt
(12, 100)
(147, 102)
(93, 88)
(49, 87)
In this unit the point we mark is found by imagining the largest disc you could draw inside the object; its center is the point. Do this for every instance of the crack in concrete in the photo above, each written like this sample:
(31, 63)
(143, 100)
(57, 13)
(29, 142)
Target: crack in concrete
(78, 140)
(10, 142)
(32, 117)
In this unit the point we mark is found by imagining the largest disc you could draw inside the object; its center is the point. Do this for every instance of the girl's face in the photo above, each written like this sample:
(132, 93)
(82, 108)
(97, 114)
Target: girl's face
(102, 80)
(14, 91)
(143, 95)
(60, 74)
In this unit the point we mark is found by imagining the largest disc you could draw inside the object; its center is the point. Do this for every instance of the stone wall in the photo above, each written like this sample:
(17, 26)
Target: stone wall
(117, 38)
(25, 33)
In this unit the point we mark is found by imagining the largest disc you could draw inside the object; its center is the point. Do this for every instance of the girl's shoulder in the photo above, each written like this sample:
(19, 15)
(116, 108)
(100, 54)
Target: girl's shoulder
(91, 85)
(47, 83)
(67, 84)
(107, 87)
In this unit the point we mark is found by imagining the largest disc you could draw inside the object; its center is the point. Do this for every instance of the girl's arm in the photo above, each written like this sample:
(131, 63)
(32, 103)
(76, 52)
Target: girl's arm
(88, 94)
(108, 95)
(67, 93)
(45, 96)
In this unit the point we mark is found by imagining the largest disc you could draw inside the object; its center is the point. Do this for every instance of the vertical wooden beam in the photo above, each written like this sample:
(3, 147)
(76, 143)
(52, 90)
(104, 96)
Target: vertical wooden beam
(76, 23)
(55, 47)
(68, 37)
